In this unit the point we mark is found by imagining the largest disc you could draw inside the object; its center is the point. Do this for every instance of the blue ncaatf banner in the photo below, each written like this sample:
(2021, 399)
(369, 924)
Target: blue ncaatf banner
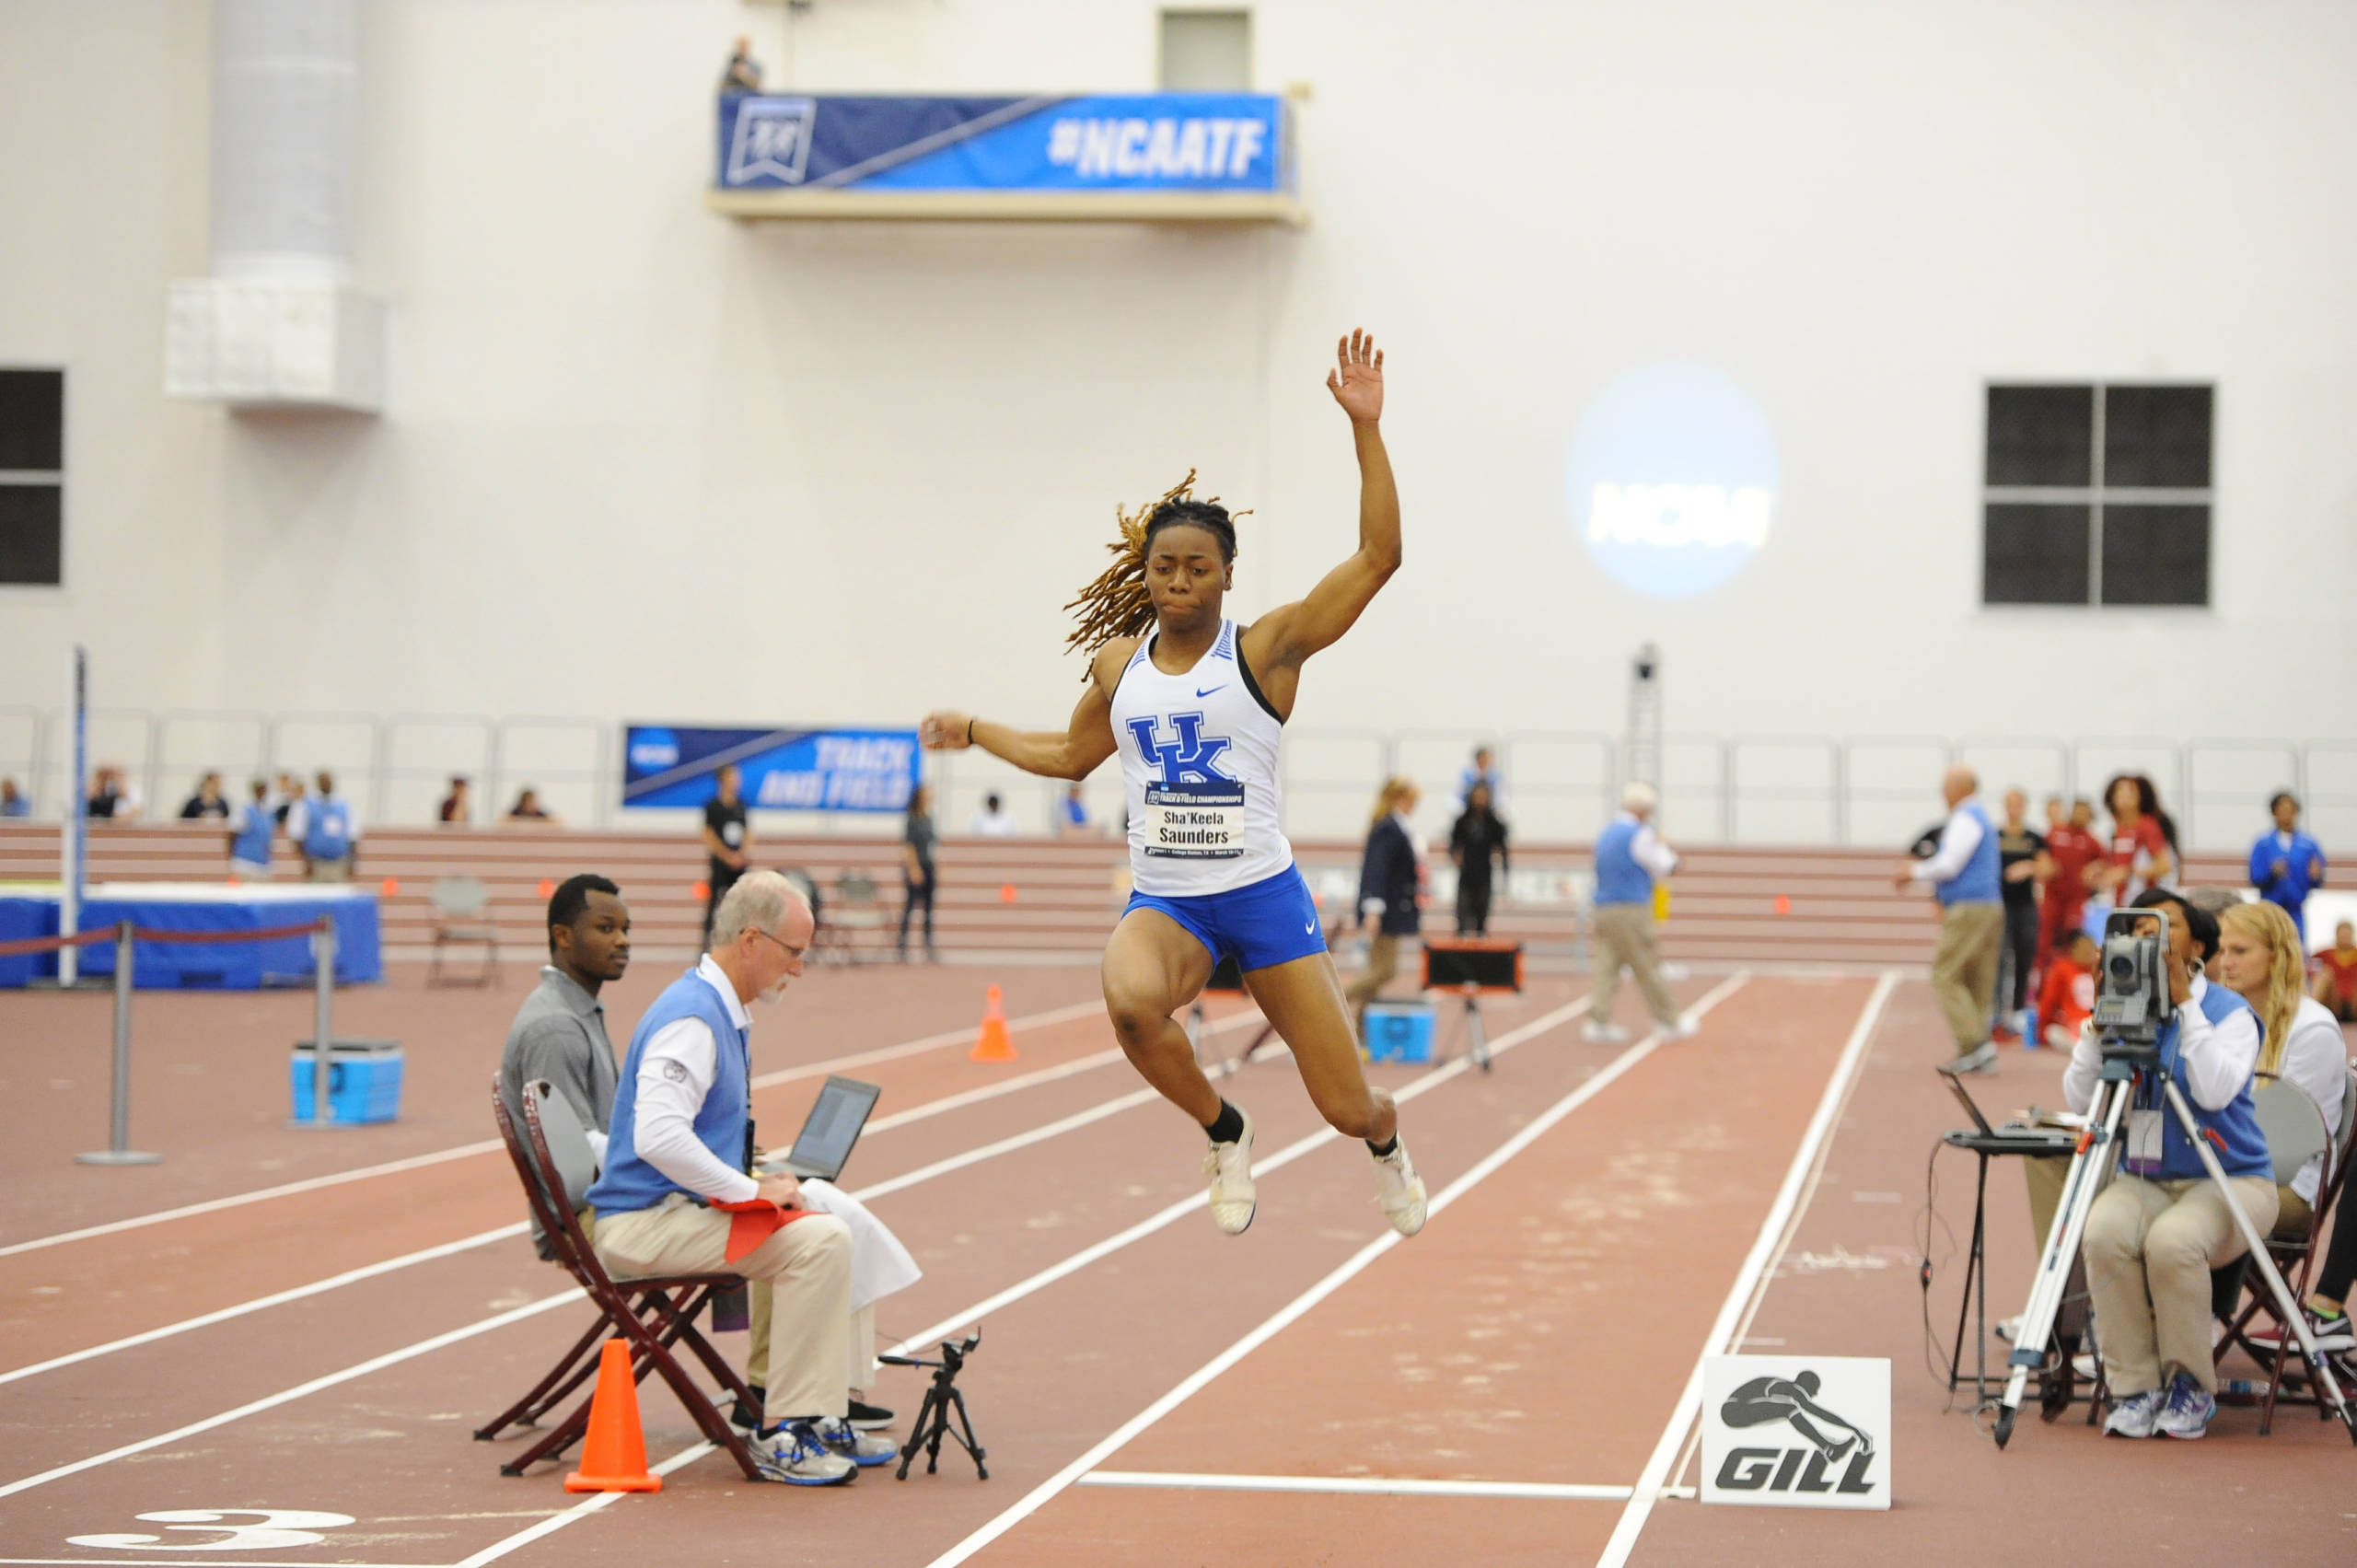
(785, 770)
(1148, 142)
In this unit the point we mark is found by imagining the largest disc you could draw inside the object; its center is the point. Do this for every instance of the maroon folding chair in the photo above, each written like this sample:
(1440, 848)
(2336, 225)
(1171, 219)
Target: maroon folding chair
(652, 1315)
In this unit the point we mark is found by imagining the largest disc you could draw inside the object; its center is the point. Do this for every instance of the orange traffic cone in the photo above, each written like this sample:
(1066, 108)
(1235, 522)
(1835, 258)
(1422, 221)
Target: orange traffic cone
(994, 1045)
(614, 1460)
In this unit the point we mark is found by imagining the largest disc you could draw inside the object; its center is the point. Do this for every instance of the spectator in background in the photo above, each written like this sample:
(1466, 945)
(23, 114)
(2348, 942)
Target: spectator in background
(744, 72)
(1484, 770)
(251, 832)
(112, 797)
(11, 803)
(727, 835)
(2021, 865)
(917, 839)
(1072, 815)
(206, 802)
(1389, 877)
(457, 806)
(2071, 849)
(1478, 838)
(290, 790)
(2260, 959)
(2336, 981)
(1963, 872)
(994, 820)
(2143, 841)
(1630, 861)
(326, 830)
(528, 810)
(2067, 996)
(2286, 865)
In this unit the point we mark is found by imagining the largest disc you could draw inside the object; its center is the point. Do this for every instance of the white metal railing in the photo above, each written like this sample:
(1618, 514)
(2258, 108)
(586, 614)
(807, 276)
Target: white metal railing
(1560, 785)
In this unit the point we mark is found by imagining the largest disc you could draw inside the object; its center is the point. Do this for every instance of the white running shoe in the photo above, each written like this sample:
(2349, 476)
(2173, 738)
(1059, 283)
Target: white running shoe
(1603, 1034)
(1398, 1188)
(1230, 1167)
(1682, 1028)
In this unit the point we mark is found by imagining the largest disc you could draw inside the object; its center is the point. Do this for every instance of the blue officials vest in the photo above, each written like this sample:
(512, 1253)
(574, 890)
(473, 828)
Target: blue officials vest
(252, 843)
(723, 1120)
(328, 834)
(2232, 1128)
(1978, 883)
(1618, 878)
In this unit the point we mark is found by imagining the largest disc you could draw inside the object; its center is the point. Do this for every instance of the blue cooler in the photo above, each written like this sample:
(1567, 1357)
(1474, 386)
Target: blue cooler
(1398, 1031)
(364, 1080)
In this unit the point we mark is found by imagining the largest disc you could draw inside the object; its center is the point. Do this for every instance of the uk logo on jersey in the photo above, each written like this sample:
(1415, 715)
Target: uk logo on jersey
(1192, 758)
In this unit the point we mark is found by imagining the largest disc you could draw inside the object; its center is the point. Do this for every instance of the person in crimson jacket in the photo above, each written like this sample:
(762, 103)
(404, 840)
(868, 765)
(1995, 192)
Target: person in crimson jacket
(2072, 848)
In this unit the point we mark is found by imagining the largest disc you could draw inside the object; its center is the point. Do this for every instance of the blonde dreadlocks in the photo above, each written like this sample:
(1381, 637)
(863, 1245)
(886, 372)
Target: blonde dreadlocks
(1116, 604)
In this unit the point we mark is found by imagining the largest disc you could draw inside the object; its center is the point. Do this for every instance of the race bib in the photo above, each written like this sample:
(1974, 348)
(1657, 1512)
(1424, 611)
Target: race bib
(1194, 821)
(2144, 1138)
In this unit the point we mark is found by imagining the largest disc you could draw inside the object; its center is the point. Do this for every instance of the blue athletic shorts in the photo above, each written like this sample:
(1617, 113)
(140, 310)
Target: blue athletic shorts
(1273, 920)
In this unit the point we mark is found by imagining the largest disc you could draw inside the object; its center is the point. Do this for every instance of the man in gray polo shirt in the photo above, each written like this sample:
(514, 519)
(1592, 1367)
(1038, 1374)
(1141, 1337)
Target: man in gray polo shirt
(560, 1032)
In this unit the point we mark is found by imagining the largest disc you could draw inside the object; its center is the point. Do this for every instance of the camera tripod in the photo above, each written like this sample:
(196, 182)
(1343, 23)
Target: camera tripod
(2091, 1165)
(932, 1424)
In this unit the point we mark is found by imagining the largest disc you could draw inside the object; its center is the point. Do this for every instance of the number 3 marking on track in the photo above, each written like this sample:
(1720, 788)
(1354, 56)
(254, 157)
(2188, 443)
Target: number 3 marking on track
(271, 1527)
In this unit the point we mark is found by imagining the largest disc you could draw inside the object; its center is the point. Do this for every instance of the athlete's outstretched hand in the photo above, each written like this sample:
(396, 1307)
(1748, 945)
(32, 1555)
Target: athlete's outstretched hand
(945, 731)
(1357, 381)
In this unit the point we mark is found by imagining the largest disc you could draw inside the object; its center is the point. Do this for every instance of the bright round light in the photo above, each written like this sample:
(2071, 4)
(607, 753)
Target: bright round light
(1672, 479)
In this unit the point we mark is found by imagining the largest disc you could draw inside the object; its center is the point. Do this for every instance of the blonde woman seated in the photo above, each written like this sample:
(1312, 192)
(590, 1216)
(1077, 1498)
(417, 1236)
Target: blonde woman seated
(2262, 960)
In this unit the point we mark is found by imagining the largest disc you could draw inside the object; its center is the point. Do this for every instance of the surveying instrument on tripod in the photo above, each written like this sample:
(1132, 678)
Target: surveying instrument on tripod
(2135, 1025)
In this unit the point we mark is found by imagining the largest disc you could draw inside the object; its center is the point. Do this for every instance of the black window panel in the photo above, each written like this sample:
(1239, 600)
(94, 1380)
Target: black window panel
(2155, 554)
(31, 534)
(2041, 436)
(32, 419)
(2035, 554)
(2156, 437)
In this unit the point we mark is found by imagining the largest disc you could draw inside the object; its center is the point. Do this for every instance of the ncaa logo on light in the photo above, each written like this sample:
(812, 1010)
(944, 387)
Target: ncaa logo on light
(652, 750)
(771, 140)
(1672, 480)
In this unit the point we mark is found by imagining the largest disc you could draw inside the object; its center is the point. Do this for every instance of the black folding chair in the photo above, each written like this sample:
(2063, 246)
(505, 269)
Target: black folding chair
(652, 1315)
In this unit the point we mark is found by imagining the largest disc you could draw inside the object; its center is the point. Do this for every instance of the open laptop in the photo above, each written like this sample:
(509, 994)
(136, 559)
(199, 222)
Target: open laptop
(836, 1120)
(2060, 1138)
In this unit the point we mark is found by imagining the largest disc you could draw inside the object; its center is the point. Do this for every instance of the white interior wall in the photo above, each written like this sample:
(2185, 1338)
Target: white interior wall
(639, 461)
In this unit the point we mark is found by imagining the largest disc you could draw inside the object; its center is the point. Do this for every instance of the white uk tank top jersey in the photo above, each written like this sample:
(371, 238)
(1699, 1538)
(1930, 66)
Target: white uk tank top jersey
(1199, 758)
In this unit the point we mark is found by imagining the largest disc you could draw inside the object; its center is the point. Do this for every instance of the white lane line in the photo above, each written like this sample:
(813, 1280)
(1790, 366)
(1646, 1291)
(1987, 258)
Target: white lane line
(373, 1365)
(1285, 1315)
(1382, 1486)
(1071, 1265)
(501, 1233)
(582, 1510)
(279, 1298)
(1747, 1280)
(1170, 1215)
(490, 1145)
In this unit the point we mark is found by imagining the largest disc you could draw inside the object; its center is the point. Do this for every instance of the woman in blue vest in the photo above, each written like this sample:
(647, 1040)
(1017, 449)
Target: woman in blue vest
(324, 828)
(251, 832)
(2155, 1233)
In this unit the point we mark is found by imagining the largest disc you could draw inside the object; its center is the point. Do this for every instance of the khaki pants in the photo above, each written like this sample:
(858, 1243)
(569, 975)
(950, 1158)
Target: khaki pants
(1624, 934)
(1382, 963)
(805, 1266)
(861, 1366)
(1964, 972)
(336, 870)
(2150, 1247)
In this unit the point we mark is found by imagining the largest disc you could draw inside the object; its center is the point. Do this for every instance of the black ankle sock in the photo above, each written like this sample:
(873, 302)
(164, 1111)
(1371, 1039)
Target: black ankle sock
(1227, 1126)
(1386, 1149)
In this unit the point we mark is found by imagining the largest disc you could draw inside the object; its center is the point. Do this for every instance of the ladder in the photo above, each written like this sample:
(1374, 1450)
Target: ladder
(1640, 742)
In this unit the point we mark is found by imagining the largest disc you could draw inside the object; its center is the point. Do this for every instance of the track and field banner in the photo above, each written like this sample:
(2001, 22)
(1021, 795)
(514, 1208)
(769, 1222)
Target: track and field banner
(783, 770)
(1796, 1432)
(1137, 143)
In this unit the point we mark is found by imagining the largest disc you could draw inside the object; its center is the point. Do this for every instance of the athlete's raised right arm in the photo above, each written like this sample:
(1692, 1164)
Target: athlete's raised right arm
(1072, 753)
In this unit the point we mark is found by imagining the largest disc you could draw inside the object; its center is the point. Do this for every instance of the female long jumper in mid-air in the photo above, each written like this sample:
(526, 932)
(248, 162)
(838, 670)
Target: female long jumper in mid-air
(1196, 705)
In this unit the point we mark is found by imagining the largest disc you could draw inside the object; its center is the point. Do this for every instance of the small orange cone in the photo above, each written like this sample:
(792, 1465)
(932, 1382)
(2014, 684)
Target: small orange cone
(995, 1045)
(614, 1460)
(548, 886)
(1783, 904)
(700, 890)
(1006, 892)
(392, 886)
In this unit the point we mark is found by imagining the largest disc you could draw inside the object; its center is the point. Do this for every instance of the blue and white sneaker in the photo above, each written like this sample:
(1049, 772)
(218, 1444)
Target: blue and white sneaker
(2188, 1410)
(794, 1453)
(2134, 1415)
(862, 1449)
